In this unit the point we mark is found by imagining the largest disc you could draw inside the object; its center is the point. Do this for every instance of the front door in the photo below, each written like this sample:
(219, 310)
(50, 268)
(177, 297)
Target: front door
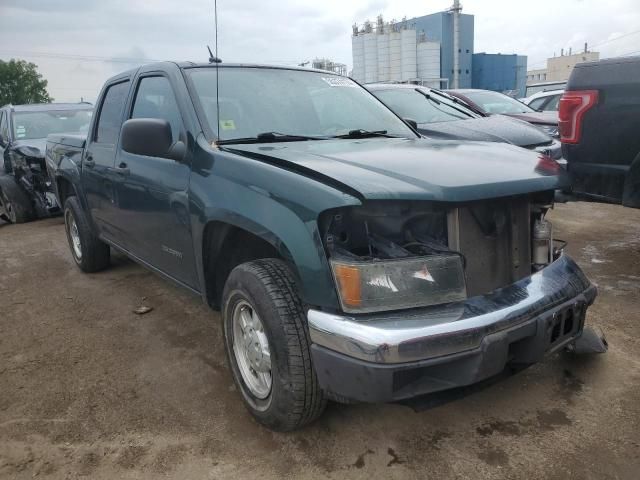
(99, 158)
(153, 204)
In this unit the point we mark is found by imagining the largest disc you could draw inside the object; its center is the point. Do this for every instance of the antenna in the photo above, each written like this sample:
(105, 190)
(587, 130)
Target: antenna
(215, 13)
(212, 57)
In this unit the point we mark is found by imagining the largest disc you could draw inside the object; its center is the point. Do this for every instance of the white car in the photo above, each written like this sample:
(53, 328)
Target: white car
(546, 101)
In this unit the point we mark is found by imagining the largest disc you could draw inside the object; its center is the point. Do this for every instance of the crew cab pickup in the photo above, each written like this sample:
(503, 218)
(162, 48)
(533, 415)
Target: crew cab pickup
(599, 116)
(350, 258)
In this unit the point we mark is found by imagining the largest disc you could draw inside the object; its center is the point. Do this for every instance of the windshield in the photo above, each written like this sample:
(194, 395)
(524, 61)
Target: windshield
(411, 104)
(290, 102)
(494, 102)
(30, 125)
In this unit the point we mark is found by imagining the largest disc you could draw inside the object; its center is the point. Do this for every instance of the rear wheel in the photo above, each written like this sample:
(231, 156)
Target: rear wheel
(267, 344)
(87, 250)
(15, 206)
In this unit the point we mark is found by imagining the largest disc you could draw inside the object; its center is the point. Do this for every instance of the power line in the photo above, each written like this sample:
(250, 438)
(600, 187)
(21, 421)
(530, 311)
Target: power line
(593, 46)
(88, 58)
(616, 38)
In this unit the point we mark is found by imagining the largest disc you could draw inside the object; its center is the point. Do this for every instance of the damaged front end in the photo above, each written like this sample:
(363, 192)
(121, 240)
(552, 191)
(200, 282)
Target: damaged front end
(26, 164)
(390, 255)
(435, 296)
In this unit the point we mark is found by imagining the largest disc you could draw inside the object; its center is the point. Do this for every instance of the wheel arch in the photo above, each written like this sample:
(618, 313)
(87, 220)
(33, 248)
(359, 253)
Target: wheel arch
(226, 245)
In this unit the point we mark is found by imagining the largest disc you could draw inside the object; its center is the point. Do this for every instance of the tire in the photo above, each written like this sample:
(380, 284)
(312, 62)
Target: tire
(267, 288)
(15, 203)
(87, 250)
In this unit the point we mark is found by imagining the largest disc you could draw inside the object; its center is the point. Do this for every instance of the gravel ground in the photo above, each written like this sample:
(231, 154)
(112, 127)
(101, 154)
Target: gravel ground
(89, 389)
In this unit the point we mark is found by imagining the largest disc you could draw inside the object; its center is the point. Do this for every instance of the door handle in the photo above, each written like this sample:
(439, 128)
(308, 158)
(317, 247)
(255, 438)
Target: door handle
(121, 169)
(89, 161)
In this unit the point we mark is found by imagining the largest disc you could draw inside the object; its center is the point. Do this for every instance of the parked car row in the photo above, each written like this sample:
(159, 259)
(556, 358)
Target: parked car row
(440, 115)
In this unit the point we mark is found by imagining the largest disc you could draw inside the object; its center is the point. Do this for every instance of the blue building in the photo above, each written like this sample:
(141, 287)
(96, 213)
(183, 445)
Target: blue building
(439, 27)
(501, 73)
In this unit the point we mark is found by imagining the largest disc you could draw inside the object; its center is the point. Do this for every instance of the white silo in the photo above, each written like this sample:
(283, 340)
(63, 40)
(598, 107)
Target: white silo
(428, 59)
(370, 57)
(383, 57)
(357, 51)
(395, 57)
(408, 54)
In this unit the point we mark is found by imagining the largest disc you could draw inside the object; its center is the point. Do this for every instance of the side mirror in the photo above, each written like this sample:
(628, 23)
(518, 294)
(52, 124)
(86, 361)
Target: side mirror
(150, 137)
(412, 123)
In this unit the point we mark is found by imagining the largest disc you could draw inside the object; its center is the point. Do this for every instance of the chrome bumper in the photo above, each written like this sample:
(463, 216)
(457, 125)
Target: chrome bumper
(425, 333)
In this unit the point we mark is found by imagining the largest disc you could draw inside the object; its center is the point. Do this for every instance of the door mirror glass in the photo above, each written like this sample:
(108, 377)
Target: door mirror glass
(150, 137)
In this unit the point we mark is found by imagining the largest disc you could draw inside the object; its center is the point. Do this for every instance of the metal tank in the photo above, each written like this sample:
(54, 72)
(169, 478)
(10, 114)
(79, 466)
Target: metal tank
(383, 57)
(408, 55)
(357, 50)
(428, 60)
(370, 57)
(395, 57)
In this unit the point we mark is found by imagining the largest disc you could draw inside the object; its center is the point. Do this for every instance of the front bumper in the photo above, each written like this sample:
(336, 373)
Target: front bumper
(391, 356)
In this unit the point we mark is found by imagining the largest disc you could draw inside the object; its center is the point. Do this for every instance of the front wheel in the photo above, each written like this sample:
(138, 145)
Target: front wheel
(87, 250)
(15, 206)
(267, 344)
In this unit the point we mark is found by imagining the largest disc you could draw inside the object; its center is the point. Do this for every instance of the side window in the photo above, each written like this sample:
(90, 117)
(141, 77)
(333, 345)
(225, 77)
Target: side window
(155, 99)
(110, 119)
(552, 106)
(537, 103)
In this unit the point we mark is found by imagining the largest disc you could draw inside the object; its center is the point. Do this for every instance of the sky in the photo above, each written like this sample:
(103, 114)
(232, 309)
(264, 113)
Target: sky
(78, 44)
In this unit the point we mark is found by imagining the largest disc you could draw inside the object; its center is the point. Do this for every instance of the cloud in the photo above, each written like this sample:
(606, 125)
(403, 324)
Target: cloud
(91, 40)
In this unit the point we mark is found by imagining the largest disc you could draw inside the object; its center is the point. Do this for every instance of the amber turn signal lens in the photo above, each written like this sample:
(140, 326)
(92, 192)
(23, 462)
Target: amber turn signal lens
(349, 283)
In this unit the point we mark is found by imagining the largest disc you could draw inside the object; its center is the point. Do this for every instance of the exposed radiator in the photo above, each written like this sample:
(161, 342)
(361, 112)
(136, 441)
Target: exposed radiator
(495, 238)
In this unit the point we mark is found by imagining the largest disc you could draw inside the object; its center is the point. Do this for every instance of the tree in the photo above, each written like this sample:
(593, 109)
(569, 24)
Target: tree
(21, 83)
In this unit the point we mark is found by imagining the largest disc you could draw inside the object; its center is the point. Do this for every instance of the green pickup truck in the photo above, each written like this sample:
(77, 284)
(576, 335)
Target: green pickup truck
(351, 259)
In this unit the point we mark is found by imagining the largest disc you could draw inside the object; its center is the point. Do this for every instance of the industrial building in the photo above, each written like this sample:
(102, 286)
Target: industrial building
(422, 50)
(501, 73)
(394, 52)
(329, 65)
(435, 50)
(559, 68)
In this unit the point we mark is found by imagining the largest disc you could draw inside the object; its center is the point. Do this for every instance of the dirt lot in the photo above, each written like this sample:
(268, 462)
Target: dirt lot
(87, 388)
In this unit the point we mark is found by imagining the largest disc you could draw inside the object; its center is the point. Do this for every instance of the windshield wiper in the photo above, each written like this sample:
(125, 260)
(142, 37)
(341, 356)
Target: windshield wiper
(437, 103)
(267, 137)
(360, 133)
(458, 101)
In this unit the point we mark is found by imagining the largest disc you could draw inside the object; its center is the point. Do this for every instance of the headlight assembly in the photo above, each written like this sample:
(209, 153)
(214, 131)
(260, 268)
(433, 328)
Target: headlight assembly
(371, 286)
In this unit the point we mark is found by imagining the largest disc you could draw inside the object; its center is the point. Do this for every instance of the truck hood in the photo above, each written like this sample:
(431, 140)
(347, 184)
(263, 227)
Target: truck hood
(413, 169)
(496, 128)
(538, 118)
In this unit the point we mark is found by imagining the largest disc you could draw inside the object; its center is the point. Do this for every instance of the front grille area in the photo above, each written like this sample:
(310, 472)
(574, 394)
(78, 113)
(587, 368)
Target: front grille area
(495, 238)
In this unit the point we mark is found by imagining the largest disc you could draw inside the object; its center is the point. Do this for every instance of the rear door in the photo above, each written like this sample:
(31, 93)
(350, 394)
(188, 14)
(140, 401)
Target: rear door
(153, 204)
(99, 159)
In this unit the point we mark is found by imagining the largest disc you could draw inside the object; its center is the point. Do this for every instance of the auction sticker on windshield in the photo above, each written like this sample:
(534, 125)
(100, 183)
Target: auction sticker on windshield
(339, 82)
